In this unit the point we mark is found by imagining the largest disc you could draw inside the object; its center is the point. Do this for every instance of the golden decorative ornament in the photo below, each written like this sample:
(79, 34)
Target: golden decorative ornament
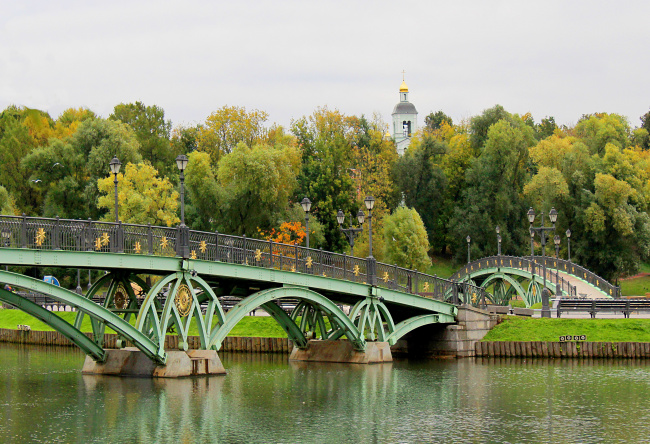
(310, 261)
(203, 246)
(426, 286)
(120, 298)
(137, 248)
(98, 244)
(105, 239)
(183, 300)
(193, 255)
(356, 270)
(474, 298)
(164, 242)
(386, 277)
(324, 275)
(293, 269)
(40, 237)
(258, 255)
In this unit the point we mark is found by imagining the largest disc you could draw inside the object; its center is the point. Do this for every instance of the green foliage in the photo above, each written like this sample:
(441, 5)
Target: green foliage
(203, 195)
(405, 240)
(435, 120)
(152, 132)
(257, 183)
(515, 328)
(69, 169)
(597, 130)
(639, 286)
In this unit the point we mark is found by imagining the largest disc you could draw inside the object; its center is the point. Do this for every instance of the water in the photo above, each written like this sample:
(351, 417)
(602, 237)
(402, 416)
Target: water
(264, 398)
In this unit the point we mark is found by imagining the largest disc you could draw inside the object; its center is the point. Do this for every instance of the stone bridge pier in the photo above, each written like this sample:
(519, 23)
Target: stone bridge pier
(444, 340)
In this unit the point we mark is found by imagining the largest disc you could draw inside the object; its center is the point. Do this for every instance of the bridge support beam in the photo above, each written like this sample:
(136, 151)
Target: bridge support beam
(133, 362)
(342, 351)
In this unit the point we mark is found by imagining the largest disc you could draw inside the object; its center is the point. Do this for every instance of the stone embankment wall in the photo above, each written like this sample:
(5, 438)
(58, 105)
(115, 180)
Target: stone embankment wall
(580, 350)
(231, 343)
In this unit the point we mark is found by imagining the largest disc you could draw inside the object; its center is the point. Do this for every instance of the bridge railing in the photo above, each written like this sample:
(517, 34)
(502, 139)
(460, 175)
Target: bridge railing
(537, 266)
(520, 263)
(88, 235)
(580, 272)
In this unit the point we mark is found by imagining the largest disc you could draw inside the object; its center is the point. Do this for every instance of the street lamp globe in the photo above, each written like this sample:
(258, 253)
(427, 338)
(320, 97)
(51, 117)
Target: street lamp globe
(568, 234)
(181, 162)
(370, 202)
(556, 239)
(531, 215)
(361, 217)
(340, 217)
(552, 215)
(498, 230)
(115, 165)
(306, 205)
(468, 239)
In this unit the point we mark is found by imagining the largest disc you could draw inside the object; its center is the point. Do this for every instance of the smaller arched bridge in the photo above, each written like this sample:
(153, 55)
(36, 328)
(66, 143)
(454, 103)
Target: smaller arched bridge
(511, 276)
(335, 296)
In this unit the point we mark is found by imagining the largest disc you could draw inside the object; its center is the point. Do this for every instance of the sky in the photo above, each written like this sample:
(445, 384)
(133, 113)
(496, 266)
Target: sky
(554, 58)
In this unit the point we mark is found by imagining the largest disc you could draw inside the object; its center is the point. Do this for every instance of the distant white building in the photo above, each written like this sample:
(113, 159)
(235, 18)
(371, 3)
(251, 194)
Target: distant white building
(405, 119)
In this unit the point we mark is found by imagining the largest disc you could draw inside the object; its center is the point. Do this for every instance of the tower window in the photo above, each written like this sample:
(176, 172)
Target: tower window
(406, 128)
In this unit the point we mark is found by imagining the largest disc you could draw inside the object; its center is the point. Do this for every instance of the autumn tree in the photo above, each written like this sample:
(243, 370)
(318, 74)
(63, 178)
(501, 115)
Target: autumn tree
(143, 197)
(225, 128)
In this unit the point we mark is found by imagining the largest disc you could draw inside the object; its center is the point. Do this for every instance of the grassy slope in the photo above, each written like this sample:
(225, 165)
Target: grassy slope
(535, 329)
(261, 326)
(636, 286)
(442, 267)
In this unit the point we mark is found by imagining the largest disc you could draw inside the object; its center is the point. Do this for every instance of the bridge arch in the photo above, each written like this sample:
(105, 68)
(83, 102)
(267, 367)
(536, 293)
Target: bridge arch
(95, 311)
(264, 299)
(509, 279)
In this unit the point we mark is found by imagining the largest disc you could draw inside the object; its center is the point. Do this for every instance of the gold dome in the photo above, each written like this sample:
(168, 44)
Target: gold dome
(387, 135)
(403, 88)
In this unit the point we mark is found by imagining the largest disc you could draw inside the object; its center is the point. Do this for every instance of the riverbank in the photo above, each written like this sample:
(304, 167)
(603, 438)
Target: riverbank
(230, 343)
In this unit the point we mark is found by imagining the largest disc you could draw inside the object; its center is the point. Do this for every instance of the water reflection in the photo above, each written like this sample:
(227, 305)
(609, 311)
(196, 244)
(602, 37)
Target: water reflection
(264, 398)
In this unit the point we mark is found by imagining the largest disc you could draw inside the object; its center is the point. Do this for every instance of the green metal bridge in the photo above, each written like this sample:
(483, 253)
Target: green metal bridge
(192, 270)
(525, 277)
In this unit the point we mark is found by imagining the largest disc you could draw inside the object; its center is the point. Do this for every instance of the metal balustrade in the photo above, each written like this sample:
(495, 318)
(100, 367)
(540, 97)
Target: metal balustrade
(88, 235)
(538, 265)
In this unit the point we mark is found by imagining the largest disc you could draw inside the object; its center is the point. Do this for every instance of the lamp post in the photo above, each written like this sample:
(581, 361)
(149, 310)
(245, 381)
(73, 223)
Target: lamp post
(556, 241)
(369, 201)
(498, 241)
(542, 230)
(306, 206)
(469, 241)
(568, 241)
(6, 242)
(352, 232)
(183, 245)
(115, 165)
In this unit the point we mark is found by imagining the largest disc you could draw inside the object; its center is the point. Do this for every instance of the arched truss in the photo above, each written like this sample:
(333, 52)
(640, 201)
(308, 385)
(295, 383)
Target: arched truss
(96, 312)
(373, 319)
(530, 296)
(120, 299)
(188, 297)
(312, 310)
(498, 279)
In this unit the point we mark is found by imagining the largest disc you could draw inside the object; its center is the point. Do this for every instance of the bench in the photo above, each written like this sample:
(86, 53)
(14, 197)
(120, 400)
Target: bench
(594, 306)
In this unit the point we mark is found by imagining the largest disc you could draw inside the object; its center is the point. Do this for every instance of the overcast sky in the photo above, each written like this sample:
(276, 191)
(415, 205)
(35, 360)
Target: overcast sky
(553, 58)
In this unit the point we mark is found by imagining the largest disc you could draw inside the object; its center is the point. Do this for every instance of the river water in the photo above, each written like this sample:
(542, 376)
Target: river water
(265, 398)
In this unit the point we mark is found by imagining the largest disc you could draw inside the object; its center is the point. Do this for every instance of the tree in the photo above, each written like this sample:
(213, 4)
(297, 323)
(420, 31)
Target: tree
(257, 183)
(405, 240)
(225, 128)
(435, 120)
(326, 177)
(480, 125)
(69, 169)
(423, 183)
(204, 195)
(597, 130)
(15, 144)
(151, 130)
(143, 197)
(69, 120)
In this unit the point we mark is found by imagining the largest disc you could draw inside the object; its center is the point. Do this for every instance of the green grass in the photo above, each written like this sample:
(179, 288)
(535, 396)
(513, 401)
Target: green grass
(515, 328)
(253, 326)
(442, 267)
(636, 286)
